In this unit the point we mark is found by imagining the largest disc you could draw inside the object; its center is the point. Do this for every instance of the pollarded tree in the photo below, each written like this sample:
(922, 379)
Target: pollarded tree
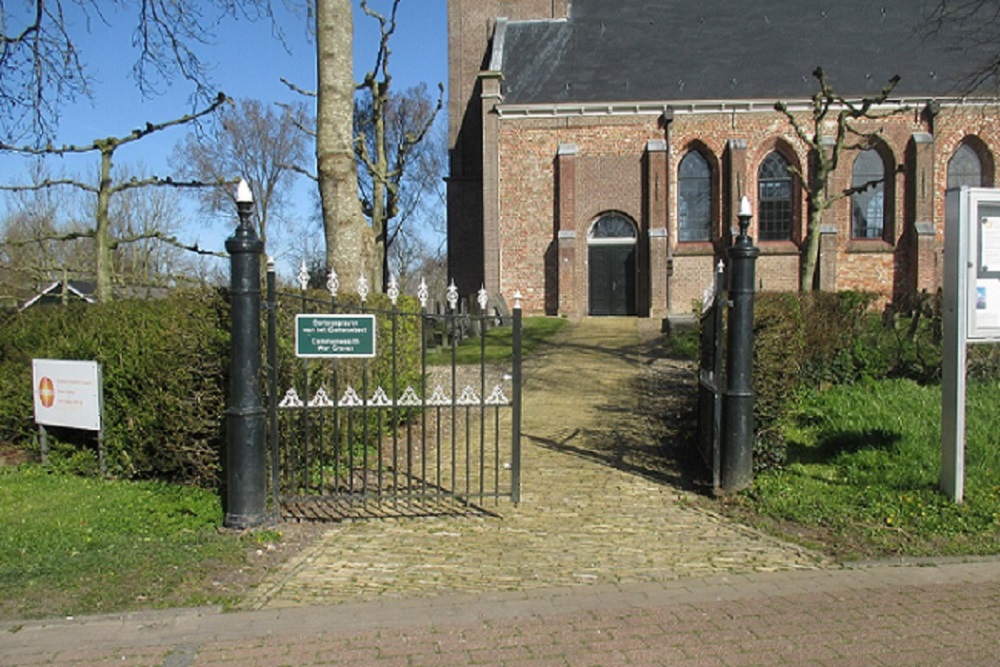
(105, 188)
(826, 147)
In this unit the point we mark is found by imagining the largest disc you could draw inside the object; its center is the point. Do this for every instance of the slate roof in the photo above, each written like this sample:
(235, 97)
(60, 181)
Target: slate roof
(686, 50)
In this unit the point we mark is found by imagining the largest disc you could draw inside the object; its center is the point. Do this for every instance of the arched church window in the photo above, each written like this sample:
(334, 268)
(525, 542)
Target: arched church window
(694, 199)
(774, 199)
(868, 205)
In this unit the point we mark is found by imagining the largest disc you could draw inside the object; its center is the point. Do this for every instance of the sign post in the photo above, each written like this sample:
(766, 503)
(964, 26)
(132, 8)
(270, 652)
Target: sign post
(68, 394)
(971, 312)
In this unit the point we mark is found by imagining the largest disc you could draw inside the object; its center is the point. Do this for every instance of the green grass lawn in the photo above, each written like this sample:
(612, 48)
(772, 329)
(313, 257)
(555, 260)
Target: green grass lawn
(863, 473)
(495, 347)
(72, 545)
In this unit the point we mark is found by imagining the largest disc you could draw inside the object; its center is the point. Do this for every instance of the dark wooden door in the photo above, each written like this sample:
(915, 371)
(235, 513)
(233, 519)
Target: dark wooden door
(612, 279)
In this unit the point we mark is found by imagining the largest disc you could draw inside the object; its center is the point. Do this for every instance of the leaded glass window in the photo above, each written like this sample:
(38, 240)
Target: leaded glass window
(868, 206)
(774, 199)
(965, 168)
(694, 199)
(613, 226)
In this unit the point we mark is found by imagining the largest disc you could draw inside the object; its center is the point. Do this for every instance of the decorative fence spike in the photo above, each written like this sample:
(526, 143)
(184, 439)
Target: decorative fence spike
(332, 283)
(363, 288)
(393, 290)
(303, 276)
(452, 295)
(423, 293)
(483, 298)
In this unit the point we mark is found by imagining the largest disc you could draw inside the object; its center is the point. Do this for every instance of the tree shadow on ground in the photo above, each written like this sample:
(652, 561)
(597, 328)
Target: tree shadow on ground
(646, 426)
(834, 445)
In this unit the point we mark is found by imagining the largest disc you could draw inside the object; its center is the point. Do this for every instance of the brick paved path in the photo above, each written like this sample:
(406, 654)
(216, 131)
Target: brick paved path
(944, 614)
(596, 507)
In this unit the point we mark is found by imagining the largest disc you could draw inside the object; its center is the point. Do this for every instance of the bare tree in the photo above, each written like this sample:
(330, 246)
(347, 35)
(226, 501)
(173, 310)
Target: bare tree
(389, 133)
(826, 149)
(105, 188)
(147, 215)
(973, 27)
(42, 62)
(349, 243)
(250, 140)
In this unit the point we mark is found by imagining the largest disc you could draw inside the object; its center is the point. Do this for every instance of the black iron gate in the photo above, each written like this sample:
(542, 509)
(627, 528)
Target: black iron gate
(416, 425)
(710, 380)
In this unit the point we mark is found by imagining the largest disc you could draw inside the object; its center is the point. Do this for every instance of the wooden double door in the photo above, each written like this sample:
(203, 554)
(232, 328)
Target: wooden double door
(612, 279)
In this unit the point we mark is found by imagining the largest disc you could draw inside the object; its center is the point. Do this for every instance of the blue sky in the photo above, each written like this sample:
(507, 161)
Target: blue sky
(247, 62)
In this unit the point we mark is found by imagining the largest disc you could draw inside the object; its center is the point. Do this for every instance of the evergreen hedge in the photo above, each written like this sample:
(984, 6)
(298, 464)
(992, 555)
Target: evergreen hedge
(164, 365)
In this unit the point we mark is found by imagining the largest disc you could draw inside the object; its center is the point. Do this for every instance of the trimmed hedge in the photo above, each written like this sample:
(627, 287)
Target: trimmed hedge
(164, 365)
(811, 340)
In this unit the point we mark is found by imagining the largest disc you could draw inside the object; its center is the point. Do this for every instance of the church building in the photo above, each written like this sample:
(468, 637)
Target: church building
(599, 148)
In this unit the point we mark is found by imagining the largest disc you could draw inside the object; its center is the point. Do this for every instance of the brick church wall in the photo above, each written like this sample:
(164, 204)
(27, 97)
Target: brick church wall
(608, 162)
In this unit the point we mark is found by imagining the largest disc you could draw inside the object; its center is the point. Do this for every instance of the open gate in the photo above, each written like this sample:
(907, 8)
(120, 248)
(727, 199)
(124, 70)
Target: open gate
(372, 412)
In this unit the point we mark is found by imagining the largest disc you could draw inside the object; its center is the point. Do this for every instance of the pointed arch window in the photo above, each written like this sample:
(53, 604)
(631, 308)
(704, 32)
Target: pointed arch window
(694, 198)
(868, 205)
(774, 199)
(965, 168)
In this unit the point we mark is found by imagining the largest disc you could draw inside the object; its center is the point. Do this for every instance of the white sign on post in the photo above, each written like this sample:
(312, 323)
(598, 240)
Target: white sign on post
(67, 393)
(971, 312)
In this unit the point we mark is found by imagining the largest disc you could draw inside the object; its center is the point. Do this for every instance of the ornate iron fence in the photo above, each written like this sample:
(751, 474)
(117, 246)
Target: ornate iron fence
(710, 380)
(361, 423)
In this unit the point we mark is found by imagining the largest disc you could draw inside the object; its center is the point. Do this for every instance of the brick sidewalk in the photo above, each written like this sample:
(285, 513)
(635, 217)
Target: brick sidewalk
(935, 614)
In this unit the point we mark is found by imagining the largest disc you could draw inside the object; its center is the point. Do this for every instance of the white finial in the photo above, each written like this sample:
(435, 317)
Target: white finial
(270, 264)
(452, 295)
(518, 297)
(243, 192)
(745, 210)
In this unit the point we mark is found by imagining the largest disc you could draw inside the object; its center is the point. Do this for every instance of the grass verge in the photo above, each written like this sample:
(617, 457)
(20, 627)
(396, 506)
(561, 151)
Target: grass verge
(496, 346)
(863, 471)
(71, 545)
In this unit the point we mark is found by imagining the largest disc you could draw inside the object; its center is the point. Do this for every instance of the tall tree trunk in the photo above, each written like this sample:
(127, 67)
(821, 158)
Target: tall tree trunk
(349, 243)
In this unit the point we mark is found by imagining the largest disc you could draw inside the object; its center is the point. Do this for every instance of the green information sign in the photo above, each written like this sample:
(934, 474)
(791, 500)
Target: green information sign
(335, 336)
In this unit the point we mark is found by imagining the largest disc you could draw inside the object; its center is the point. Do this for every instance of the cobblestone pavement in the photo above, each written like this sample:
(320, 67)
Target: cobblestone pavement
(598, 505)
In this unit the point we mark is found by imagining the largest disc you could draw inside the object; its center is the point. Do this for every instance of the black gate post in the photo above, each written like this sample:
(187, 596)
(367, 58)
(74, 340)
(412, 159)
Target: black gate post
(738, 435)
(246, 481)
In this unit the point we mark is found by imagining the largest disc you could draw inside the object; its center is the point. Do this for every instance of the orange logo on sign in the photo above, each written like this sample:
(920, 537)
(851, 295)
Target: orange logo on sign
(47, 392)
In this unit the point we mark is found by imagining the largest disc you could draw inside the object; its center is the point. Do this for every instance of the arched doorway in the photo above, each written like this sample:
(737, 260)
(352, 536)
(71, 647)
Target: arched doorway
(611, 248)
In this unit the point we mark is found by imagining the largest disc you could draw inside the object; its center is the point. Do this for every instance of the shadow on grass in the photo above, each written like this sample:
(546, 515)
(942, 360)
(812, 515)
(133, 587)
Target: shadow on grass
(834, 445)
